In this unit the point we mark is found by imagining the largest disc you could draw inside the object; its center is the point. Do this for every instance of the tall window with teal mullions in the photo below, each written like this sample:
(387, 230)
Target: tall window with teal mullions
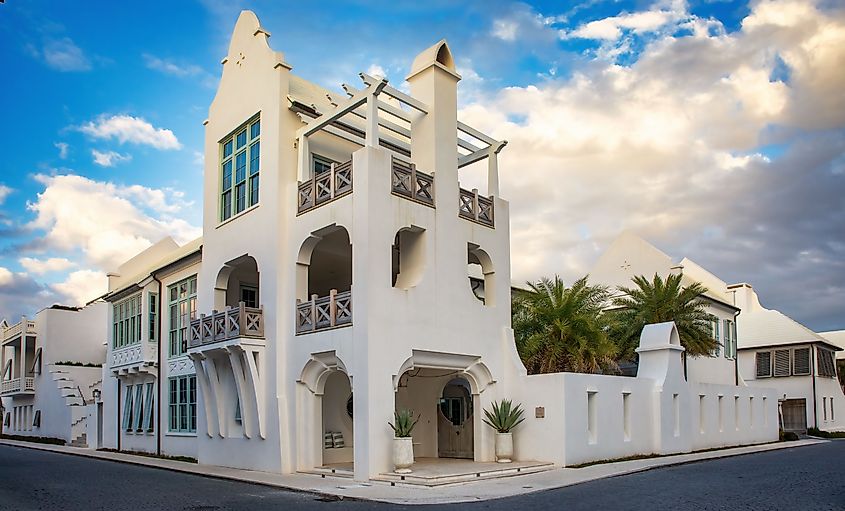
(183, 404)
(183, 308)
(239, 166)
(126, 325)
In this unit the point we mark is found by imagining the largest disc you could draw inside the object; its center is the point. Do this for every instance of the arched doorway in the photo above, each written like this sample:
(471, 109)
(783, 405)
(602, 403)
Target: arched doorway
(237, 281)
(455, 424)
(337, 415)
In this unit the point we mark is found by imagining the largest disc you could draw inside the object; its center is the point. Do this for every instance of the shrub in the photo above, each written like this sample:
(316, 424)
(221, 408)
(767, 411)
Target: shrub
(825, 434)
(36, 439)
(504, 417)
(405, 423)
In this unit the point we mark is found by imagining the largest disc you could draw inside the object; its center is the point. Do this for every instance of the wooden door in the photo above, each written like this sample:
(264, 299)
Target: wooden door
(794, 415)
(455, 424)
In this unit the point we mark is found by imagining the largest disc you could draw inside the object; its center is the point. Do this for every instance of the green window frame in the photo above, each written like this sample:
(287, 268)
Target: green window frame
(138, 415)
(182, 391)
(240, 163)
(182, 302)
(152, 316)
(126, 321)
(149, 409)
(127, 409)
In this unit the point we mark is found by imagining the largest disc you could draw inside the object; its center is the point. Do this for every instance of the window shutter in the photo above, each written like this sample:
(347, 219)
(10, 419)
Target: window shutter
(801, 361)
(764, 364)
(36, 421)
(826, 365)
(781, 362)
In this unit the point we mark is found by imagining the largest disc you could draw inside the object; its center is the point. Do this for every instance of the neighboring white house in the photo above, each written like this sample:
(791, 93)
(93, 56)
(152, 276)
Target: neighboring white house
(777, 351)
(630, 255)
(149, 388)
(51, 370)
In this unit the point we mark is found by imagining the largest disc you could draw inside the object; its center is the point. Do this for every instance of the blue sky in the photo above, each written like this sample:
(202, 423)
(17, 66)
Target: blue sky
(618, 103)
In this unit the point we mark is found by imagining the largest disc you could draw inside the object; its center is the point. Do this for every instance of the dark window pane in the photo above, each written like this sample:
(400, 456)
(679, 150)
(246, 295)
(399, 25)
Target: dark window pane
(240, 203)
(255, 129)
(241, 139)
(253, 190)
(254, 151)
(240, 167)
(227, 175)
(227, 149)
(227, 205)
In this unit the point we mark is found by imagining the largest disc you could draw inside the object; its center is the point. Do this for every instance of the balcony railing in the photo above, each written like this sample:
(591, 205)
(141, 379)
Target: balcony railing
(26, 326)
(232, 323)
(26, 384)
(476, 207)
(408, 182)
(325, 187)
(142, 353)
(330, 311)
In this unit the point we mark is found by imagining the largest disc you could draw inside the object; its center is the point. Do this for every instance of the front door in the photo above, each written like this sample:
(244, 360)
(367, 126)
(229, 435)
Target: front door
(455, 421)
(794, 415)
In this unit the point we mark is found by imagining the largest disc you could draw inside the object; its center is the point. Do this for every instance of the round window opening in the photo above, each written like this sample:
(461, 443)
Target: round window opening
(349, 406)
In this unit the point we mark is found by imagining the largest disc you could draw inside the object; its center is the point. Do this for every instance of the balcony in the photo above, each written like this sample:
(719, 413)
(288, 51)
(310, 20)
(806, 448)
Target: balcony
(234, 323)
(408, 182)
(324, 313)
(135, 358)
(475, 208)
(325, 187)
(23, 327)
(18, 386)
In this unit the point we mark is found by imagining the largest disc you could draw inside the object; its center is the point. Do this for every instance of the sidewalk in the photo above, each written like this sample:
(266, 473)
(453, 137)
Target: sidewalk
(399, 494)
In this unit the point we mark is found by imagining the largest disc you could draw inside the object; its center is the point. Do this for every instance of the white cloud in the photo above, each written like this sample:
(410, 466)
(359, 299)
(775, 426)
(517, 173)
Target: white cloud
(109, 158)
(63, 149)
(170, 67)
(673, 146)
(107, 223)
(82, 286)
(377, 71)
(4, 192)
(135, 130)
(505, 29)
(42, 266)
(5, 276)
(64, 55)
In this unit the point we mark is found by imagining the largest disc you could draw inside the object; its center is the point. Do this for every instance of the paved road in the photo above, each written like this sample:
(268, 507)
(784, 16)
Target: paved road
(811, 478)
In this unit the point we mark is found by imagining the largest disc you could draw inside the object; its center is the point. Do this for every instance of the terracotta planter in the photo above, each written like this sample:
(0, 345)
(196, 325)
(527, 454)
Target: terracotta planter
(504, 447)
(403, 454)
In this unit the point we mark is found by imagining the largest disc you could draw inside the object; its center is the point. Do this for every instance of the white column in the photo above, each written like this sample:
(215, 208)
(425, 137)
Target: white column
(371, 139)
(493, 174)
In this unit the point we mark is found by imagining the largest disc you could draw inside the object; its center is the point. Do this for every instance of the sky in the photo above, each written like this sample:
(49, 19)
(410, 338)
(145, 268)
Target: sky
(714, 129)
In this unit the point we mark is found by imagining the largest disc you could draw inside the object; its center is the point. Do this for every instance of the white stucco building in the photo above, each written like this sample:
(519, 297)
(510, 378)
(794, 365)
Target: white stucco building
(52, 369)
(630, 255)
(777, 351)
(344, 273)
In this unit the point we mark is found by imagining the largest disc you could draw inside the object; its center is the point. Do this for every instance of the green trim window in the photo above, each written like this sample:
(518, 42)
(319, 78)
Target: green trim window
(149, 410)
(183, 308)
(127, 409)
(152, 316)
(183, 404)
(240, 158)
(126, 321)
(321, 164)
(138, 417)
(730, 339)
(714, 331)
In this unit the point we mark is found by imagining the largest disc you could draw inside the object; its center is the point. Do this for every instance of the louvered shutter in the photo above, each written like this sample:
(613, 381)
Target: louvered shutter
(781, 362)
(764, 364)
(801, 361)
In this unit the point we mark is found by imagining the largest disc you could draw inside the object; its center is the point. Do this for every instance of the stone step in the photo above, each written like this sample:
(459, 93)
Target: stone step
(431, 480)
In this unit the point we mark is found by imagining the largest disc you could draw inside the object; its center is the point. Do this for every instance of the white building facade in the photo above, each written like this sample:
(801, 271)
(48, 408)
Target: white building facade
(777, 351)
(343, 274)
(52, 369)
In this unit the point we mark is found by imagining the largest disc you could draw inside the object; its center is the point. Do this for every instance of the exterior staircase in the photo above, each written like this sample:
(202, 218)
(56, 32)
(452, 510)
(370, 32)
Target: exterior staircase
(76, 398)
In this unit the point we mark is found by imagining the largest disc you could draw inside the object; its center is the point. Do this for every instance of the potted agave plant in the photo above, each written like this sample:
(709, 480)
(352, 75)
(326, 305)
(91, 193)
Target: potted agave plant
(403, 447)
(504, 417)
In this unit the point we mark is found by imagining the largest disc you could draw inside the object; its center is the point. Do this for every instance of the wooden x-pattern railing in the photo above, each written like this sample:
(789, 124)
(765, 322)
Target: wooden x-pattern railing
(475, 207)
(234, 322)
(325, 312)
(325, 187)
(408, 182)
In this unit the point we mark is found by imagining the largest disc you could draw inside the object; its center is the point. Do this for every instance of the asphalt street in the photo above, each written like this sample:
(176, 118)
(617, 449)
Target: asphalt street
(805, 478)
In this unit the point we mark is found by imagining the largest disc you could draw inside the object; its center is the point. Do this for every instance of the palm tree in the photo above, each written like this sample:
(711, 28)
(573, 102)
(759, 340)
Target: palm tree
(560, 328)
(658, 301)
